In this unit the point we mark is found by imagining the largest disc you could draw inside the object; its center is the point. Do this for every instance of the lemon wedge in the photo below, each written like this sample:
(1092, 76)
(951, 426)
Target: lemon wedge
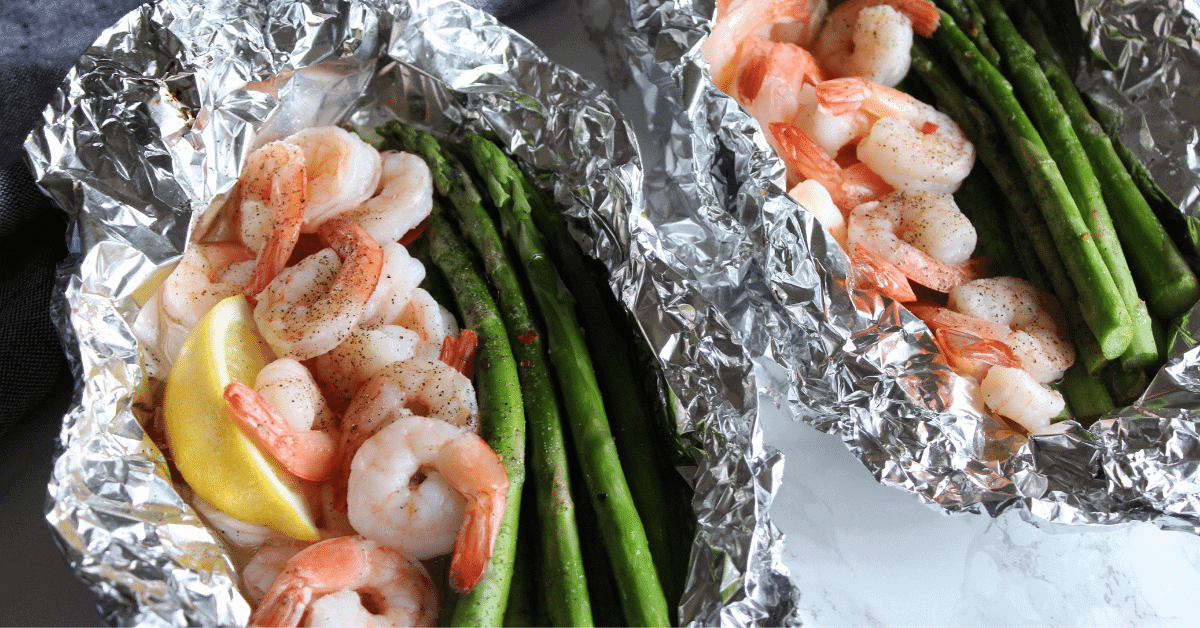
(226, 466)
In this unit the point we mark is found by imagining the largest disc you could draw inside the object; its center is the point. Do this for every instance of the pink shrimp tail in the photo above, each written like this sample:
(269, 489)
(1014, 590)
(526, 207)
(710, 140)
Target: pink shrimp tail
(309, 455)
(840, 96)
(848, 188)
(484, 512)
(886, 277)
(363, 258)
(923, 13)
(763, 58)
(282, 606)
(459, 352)
(970, 345)
(288, 196)
(476, 539)
(924, 269)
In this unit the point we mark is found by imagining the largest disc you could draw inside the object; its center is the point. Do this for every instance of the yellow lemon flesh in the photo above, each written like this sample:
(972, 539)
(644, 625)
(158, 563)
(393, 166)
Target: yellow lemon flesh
(226, 466)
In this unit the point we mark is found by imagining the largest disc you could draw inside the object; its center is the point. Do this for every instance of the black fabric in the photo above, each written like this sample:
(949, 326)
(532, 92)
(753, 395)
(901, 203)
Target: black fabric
(31, 244)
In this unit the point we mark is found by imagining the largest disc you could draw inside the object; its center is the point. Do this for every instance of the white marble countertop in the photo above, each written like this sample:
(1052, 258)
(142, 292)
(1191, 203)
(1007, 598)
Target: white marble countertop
(863, 554)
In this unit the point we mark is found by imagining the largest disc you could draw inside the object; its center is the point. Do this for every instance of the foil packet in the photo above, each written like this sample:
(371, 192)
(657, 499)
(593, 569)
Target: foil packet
(854, 364)
(147, 135)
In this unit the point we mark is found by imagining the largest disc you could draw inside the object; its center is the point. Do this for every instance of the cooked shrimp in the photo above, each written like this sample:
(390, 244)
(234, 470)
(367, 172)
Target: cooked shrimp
(794, 32)
(271, 198)
(1013, 393)
(831, 131)
(1038, 336)
(431, 320)
(970, 345)
(399, 277)
(923, 234)
(403, 199)
(242, 535)
(371, 585)
(343, 172)
(911, 144)
(425, 387)
(205, 274)
(312, 307)
(848, 187)
(267, 563)
(815, 198)
(288, 415)
(801, 33)
(768, 76)
(401, 494)
(734, 26)
(872, 38)
(366, 351)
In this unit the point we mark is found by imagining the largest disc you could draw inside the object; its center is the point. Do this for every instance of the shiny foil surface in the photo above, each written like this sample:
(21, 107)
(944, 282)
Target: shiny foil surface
(147, 135)
(856, 365)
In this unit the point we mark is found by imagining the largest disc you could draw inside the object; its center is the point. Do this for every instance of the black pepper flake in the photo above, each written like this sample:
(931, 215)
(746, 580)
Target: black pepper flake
(603, 497)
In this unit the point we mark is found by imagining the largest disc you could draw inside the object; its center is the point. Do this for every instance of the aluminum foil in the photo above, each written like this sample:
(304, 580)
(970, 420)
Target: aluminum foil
(854, 364)
(147, 135)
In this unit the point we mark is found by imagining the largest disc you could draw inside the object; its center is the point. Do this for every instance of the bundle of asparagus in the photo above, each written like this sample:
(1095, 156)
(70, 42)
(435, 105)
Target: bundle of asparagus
(572, 389)
(1097, 243)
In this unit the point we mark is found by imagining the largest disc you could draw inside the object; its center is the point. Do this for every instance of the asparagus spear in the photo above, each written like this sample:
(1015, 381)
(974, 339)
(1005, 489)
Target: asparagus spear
(1168, 283)
(1064, 146)
(1032, 232)
(622, 532)
(1100, 303)
(659, 492)
(503, 425)
(966, 13)
(565, 585)
(1085, 393)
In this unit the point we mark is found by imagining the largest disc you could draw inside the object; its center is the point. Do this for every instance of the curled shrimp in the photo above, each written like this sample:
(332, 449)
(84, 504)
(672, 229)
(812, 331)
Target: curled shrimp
(910, 144)
(925, 235)
(425, 387)
(206, 273)
(425, 487)
(343, 171)
(1032, 319)
(293, 424)
(311, 307)
(431, 320)
(267, 563)
(398, 279)
(349, 581)
(735, 25)
(848, 187)
(1014, 394)
(872, 38)
(403, 199)
(365, 352)
(271, 197)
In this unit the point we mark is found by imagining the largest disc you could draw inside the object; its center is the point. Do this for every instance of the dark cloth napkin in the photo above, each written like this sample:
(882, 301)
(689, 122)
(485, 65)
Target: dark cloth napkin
(39, 42)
